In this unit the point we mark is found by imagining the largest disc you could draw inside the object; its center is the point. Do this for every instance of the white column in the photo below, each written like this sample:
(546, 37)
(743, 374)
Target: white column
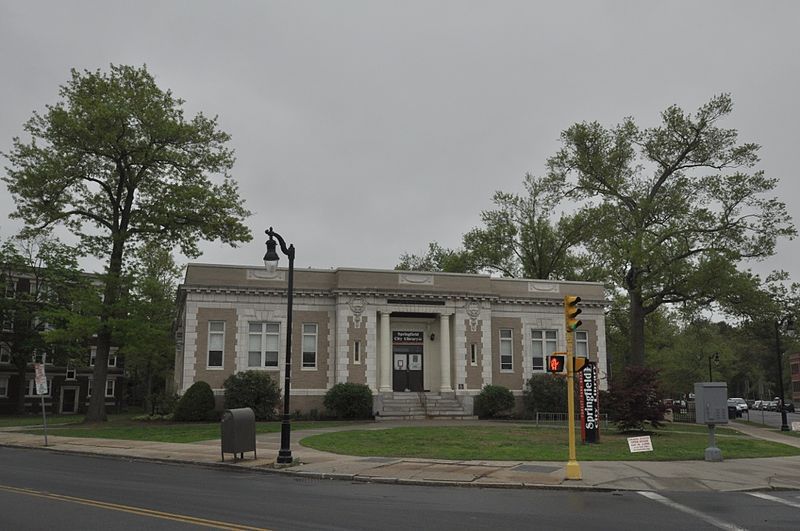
(385, 365)
(444, 354)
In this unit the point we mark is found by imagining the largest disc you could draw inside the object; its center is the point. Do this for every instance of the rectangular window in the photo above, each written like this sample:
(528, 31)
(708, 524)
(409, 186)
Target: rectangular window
(543, 343)
(473, 354)
(263, 339)
(216, 343)
(309, 346)
(506, 349)
(70, 373)
(8, 321)
(357, 353)
(5, 354)
(110, 384)
(10, 288)
(795, 367)
(4, 386)
(112, 356)
(581, 344)
(32, 388)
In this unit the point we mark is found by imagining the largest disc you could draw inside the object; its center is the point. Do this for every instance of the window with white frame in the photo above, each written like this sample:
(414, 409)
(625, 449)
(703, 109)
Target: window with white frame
(263, 339)
(110, 384)
(309, 346)
(581, 344)
(40, 356)
(32, 387)
(10, 288)
(506, 349)
(4, 386)
(112, 356)
(8, 321)
(216, 343)
(5, 354)
(543, 344)
(71, 373)
(357, 353)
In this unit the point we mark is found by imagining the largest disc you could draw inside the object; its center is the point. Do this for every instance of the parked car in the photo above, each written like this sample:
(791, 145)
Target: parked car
(758, 404)
(788, 406)
(739, 404)
(771, 405)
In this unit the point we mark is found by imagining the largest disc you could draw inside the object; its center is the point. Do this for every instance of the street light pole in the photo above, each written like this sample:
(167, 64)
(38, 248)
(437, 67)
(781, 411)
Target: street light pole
(271, 263)
(778, 325)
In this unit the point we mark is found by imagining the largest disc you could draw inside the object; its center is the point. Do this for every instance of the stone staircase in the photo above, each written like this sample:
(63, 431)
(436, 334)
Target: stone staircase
(415, 406)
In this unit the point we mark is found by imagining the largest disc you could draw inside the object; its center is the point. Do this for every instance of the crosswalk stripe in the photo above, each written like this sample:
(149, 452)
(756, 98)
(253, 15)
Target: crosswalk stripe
(775, 499)
(716, 522)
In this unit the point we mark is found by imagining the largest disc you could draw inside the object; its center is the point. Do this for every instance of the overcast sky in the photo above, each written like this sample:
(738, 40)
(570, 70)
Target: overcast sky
(366, 129)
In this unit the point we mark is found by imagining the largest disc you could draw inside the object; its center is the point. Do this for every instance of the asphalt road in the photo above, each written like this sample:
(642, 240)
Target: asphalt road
(47, 490)
(770, 418)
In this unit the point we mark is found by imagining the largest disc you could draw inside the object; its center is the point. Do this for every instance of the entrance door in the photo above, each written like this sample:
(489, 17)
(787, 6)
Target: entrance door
(407, 361)
(69, 399)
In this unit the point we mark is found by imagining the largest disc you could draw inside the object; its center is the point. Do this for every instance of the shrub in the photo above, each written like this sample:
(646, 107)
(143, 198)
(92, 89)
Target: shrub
(635, 399)
(253, 389)
(494, 401)
(349, 401)
(197, 403)
(545, 393)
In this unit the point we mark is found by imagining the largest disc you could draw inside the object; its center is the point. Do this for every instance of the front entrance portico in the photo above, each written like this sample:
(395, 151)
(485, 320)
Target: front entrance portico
(414, 352)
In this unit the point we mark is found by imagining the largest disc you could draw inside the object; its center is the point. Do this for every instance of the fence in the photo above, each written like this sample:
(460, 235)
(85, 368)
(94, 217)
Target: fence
(560, 419)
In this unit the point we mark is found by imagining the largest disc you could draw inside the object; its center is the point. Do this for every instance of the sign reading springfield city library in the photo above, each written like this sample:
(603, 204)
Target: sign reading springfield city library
(589, 402)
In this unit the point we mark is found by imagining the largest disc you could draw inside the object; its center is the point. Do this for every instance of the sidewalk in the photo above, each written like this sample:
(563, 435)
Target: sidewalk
(731, 475)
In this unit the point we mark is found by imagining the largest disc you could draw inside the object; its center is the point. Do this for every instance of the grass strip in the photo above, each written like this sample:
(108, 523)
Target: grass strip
(528, 443)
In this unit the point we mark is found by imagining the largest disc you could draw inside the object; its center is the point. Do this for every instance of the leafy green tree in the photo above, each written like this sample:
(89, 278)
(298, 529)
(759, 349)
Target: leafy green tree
(146, 335)
(37, 276)
(437, 258)
(673, 207)
(519, 238)
(117, 164)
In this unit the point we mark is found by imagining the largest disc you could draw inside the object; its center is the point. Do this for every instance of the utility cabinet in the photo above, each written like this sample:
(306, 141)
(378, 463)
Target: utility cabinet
(711, 402)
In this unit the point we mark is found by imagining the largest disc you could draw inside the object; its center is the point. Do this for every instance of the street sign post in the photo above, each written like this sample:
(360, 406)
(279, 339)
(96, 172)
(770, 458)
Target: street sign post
(40, 379)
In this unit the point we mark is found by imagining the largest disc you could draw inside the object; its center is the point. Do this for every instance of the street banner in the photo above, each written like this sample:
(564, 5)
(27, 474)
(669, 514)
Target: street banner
(589, 403)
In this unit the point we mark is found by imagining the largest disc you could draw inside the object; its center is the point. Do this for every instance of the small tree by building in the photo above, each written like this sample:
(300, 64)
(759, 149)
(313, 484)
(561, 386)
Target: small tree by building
(253, 389)
(635, 400)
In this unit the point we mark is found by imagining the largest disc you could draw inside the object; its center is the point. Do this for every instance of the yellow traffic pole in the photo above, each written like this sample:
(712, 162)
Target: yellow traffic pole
(573, 467)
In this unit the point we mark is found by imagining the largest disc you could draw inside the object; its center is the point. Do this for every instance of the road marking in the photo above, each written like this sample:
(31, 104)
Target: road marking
(770, 497)
(688, 510)
(133, 510)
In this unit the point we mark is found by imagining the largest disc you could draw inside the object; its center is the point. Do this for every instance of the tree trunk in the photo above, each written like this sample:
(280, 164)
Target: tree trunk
(637, 315)
(22, 388)
(97, 403)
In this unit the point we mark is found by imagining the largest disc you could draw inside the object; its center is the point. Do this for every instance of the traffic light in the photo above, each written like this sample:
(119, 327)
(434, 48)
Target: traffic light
(571, 312)
(557, 362)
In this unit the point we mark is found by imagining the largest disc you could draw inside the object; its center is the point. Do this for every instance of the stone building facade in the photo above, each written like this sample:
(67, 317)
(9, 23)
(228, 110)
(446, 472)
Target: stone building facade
(396, 331)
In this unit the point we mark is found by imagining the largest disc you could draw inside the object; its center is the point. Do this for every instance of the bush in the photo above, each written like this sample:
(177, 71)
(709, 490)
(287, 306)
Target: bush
(494, 401)
(197, 403)
(253, 389)
(635, 399)
(545, 393)
(349, 401)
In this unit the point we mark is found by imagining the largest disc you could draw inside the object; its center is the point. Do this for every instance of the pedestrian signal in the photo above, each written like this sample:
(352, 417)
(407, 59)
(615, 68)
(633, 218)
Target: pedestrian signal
(556, 363)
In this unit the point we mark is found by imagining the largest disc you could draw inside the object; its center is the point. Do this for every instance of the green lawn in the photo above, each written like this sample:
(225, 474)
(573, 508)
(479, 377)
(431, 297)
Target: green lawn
(52, 420)
(529, 443)
(177, 432)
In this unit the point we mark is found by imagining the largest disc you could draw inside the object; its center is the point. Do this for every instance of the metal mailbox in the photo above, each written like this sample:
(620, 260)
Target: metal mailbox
(238, 427)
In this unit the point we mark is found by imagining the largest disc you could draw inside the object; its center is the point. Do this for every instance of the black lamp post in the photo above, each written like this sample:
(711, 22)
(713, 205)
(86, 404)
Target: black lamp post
(715, 358)
(788, 322)
(271, 263)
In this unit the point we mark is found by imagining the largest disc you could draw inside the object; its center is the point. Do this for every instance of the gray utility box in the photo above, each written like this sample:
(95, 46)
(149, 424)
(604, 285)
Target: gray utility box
(711, 402)
(238, 428)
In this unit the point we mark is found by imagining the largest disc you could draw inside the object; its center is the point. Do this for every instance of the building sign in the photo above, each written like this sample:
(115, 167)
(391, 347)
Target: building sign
(406, 337)
(640, 444)
(589, 403)
(40, 379)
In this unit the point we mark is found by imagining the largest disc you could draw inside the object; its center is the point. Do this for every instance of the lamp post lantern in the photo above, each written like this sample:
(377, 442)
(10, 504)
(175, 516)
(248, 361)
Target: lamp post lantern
(271, 263)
